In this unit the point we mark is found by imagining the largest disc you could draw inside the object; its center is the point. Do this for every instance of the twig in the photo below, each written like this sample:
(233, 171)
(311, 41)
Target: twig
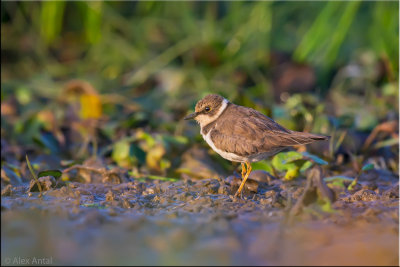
(34, 175)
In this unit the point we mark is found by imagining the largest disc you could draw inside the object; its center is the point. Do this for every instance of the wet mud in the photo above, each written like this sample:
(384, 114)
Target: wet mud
(199, 222)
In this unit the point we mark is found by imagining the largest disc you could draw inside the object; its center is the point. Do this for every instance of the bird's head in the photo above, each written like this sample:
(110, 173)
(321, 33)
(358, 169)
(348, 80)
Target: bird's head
(208, 109)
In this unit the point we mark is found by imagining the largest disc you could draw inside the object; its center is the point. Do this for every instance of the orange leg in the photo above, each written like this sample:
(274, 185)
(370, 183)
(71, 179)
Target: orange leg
(243, 169)
(245, 174)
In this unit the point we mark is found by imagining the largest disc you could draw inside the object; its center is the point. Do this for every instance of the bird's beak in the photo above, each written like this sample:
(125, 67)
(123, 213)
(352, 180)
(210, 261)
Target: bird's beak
(191, 116)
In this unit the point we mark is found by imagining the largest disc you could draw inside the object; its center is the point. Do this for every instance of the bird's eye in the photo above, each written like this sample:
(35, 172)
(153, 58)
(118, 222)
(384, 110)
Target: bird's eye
(207, 109)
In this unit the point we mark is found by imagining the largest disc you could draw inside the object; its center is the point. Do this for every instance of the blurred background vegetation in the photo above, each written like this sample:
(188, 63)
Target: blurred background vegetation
(107, 84)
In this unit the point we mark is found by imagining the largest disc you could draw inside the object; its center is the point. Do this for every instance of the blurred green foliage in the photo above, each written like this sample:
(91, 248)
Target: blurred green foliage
(323, 67)
(148, 36)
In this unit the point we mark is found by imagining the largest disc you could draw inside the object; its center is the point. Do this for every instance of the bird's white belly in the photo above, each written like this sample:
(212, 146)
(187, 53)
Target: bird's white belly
(224, 154)
(237, 158)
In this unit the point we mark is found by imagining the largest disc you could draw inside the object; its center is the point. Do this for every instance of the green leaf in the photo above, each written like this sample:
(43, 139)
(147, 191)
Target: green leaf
(138, 153)
(298, 162)
(292, 173)
(307, 164)
(156, 177)
(281, 161)
(23, 95)
(314, 158)
(262, 165)
(353, 184)
(55, 173)
(291, 156)
(125, 153)
(176, 140)
(147, 137)
(338, 184)
(292, 162)
(366, 121)
(120, 153)
(326, 205)
(368, 167)
(338, 178)
(165, 164)
(389, 142)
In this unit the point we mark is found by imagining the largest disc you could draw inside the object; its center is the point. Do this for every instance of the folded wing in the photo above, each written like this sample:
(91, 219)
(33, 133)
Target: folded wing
(256, 133)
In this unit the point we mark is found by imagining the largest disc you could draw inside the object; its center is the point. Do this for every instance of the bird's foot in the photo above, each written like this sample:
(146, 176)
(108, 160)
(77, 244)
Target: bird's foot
(240, 194)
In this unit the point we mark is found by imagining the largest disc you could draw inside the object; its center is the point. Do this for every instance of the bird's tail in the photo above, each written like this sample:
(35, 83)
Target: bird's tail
(301, 138)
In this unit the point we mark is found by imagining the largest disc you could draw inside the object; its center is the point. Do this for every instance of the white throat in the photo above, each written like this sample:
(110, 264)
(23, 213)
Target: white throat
(204, 119)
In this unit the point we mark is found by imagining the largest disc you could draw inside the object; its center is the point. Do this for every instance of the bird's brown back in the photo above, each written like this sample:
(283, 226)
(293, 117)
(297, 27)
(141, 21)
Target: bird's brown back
(245, 131)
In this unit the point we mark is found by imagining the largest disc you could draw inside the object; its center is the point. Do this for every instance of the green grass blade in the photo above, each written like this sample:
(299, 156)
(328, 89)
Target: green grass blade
(51, 17)
(33, 174)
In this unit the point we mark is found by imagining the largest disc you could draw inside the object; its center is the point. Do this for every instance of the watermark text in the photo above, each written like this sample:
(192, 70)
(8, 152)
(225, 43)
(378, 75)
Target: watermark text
(28, 260)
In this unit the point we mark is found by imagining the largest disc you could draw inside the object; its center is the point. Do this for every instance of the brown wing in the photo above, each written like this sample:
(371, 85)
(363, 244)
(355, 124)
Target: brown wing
(245, 132)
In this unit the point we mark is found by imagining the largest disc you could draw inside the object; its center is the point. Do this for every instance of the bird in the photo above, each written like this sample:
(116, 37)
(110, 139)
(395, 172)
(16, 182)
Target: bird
(242, 134)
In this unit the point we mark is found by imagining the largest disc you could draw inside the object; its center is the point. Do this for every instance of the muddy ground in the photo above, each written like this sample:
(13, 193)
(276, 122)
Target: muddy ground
(199, 222)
